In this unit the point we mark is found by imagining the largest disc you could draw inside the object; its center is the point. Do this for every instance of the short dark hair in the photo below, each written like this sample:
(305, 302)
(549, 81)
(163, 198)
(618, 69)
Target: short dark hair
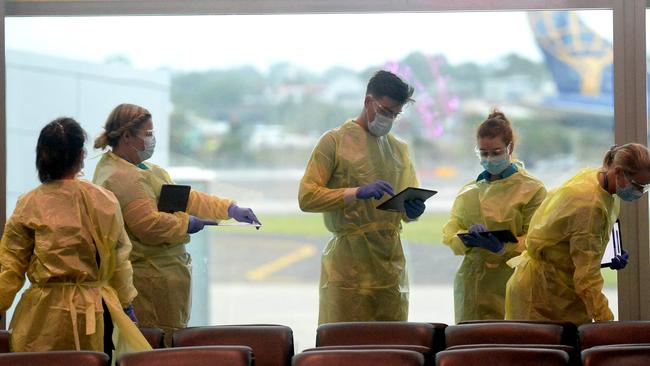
(386, 84)
(58, 151)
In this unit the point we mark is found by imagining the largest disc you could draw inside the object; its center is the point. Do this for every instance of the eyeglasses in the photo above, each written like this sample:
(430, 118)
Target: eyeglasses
(640, 187)
(385, 111)
(484, 153)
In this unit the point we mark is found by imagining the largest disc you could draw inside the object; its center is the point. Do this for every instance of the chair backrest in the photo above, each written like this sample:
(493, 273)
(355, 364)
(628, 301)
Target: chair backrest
(190, 356)
(155, 337)
(271, 344)
(569, 330)
(574, 353)
(366, 357)
(619, 355)
(379, 333)
(4, 341)
(59, 358)
(615, 332)
(502, 356)
(503, 333)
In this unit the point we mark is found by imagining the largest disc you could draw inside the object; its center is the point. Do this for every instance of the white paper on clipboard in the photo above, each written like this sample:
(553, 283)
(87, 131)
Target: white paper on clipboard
(614, 245)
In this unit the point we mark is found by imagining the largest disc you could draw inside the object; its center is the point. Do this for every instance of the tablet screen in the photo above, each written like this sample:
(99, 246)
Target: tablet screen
(614, 245)
(396, 203)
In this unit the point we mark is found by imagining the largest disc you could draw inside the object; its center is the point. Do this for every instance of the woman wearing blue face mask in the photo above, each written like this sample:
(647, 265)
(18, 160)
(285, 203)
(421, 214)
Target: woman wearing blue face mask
(161, 266)
(558, 276)
(503, 196)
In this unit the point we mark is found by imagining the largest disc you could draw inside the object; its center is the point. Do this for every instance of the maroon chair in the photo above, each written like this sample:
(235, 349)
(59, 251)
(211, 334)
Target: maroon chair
(619, 355)
(190, 356)
(5, 336)
(392, 357)
(569, 330)
(155, 337)
(503, 333)
(388, 334)
(615, 332)
(502, 356)
(271, 344)
(55, 358)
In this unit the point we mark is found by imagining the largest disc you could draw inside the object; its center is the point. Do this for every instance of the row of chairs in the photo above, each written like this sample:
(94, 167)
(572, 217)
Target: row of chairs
(272, 345)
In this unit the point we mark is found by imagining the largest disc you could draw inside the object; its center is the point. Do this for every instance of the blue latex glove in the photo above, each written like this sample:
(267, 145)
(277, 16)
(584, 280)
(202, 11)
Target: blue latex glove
(477, 228)
(131, 313)
(374, 190)
(489, 242)
(414, 208)
(243, 214)
(195, 224)
(620, 261)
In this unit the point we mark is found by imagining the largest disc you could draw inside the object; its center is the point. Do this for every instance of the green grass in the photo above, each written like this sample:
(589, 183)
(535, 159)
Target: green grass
(427, 230)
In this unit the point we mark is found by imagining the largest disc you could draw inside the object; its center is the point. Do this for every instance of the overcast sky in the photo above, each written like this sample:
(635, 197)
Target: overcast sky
(315, 42)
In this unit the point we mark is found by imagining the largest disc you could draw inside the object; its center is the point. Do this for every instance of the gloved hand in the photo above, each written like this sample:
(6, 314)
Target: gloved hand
(477, 228)
(374, 190)
(489, 242)
(195, 224)
(414, 208)
(131, 313)
(620, 261)
(243, 214)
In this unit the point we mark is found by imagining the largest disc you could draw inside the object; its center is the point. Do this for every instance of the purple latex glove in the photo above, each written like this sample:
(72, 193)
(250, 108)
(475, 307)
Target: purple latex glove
(414, 208)
(489, 242)
(477, 228)
(131, 313)
(243, 214)
(375, 190)
(620, 261)
(195, 224)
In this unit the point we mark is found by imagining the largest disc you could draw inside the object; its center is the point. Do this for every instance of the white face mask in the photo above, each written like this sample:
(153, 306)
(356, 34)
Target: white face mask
(381, 125)
(149, 147)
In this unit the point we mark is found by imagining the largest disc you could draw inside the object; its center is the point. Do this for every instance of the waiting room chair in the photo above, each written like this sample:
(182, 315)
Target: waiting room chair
(54, 358)
(392, 357)
(5, 336)
(619, 355)
(569, 330)
(271, 344)
(424, 351)
(155, 337)
(614, 332)
(503, 333)
(190, 356)
(411, 336)
(502, 356)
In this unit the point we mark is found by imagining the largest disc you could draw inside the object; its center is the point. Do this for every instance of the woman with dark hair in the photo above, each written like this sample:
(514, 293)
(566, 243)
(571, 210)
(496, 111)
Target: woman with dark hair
(503, 196)
(67, 235)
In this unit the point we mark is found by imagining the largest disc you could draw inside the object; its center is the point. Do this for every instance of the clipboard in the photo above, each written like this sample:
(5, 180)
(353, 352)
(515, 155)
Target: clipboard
(506, 236)
(173, 198)
(614, 246)
(396, 203)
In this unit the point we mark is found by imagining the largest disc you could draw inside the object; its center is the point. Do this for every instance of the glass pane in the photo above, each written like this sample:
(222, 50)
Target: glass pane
(239, 102)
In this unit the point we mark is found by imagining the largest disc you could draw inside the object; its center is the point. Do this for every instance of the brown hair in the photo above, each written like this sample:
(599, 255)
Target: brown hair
(497, 125)
(59, 149)
(124, 117)
(631, 158)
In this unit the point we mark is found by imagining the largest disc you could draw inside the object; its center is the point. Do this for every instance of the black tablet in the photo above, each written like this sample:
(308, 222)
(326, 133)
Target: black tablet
(614, 245)
(396, 203)
(506, 236)
(173, 198)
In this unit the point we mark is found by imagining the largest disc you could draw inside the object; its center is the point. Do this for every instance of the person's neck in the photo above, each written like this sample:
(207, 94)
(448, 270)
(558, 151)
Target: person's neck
(126, 153)
(610, 187)
(362, 120)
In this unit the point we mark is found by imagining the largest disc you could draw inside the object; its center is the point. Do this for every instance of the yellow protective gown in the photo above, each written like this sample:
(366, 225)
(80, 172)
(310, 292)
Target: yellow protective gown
(558, 276)
(508, 203)
(57, 235)
(363, 271)
(161, 266)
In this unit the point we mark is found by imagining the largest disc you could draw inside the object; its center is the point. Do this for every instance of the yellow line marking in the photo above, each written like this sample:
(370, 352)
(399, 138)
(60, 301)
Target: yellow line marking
(278, 264)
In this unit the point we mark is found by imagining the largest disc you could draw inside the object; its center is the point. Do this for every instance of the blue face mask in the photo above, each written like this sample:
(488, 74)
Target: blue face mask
(629, 192)
(495, 165)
